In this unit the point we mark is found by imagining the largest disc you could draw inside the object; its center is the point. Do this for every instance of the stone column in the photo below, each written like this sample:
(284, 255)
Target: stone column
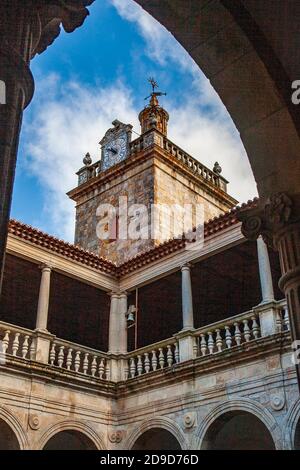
(265, 274)
(43, 304)
(123, 322)
(187, 298)
(278, 220)
(114, 325)
(27, 27)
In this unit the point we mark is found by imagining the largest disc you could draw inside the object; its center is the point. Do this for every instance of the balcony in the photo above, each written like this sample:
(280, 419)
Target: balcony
(31, 349)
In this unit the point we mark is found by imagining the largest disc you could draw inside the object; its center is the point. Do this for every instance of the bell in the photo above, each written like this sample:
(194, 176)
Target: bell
(131, 313)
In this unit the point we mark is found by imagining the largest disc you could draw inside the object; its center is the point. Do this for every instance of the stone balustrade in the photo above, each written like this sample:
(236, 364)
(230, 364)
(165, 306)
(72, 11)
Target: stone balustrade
(139, 144)
(17, 342)
(152, 358)
(282, 317)
(194, 165)
(209, 340)
(82, 360)
(225, 335)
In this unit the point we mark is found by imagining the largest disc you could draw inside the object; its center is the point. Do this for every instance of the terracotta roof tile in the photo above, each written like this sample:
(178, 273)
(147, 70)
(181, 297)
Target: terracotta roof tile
(76, 253)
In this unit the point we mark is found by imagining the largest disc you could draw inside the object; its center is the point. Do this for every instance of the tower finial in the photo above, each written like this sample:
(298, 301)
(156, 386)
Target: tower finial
(154, 94)
(153, 116)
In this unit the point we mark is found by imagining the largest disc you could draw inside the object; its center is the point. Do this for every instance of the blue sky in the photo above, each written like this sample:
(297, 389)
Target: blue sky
(98, 73)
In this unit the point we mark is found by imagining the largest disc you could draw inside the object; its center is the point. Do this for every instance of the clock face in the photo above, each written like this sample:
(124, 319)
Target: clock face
(114, 152)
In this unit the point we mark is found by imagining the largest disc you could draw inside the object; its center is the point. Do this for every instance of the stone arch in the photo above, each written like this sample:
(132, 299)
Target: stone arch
(243, 405)
(230, 46)
(164, 423)
(292, 424)
(17, 429)
(76, 426)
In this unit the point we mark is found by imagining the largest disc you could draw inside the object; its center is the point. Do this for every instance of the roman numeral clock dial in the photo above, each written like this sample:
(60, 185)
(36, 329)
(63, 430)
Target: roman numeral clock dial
(114, 152)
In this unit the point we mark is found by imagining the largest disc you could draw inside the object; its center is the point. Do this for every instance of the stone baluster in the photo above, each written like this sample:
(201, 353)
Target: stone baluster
(139, 365)
(228, 337)
(52, 354)
(61, 356)
(219, 342)
(15, 345)
(5, 341)
(147, 362)
(85, 363)
(210, 342)
(203, 346)
(25, 346)
(255, 328)
(247, 332)
(101, 369)
(169, 355)
(154, 360)
(77, 361)
(161, 358)
(177, 355)
(237, 334)
(32, 350)
(69, 359)
(132, 367)
(94, 366)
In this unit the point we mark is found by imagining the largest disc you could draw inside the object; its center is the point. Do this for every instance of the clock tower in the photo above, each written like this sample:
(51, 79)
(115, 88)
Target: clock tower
(137, 195)
(115, 145)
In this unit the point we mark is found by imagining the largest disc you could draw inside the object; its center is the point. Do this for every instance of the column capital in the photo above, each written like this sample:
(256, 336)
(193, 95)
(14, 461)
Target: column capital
(45, 267)
(114, 294)
(271, 219)
(123, 293)
(186, 266)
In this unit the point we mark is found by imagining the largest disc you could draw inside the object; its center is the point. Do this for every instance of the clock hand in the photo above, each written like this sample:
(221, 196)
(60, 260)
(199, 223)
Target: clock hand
(112, 150)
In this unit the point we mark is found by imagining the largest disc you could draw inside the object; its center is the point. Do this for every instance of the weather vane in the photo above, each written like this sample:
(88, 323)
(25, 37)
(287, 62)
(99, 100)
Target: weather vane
(154, 85)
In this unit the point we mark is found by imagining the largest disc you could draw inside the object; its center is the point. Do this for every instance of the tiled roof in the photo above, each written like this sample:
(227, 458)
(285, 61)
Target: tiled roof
(76, 253)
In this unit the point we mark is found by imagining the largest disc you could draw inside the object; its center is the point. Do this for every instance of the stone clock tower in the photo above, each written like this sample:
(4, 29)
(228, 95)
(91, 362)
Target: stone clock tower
(115, 196)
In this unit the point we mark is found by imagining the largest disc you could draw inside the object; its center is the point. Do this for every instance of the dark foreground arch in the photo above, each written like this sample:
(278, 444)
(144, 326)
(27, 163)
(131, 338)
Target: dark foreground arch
(8, 439)
(69, 440)
(156, 439)
(238, 430)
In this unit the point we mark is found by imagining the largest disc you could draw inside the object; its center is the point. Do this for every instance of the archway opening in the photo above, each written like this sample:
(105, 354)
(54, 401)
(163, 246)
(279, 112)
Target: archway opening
(238, 430)
(156, 439)
(297, 436)
(8, 439)
(70, 440)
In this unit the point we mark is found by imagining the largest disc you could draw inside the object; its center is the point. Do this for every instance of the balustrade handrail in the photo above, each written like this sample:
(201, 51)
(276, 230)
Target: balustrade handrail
(231, 320)
(16, 329)
(76, 346)
(154, 346)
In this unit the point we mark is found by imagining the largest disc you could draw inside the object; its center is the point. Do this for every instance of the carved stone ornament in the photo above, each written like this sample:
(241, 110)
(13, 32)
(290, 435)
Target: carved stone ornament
(267, 220)
(189, 420)
(277, 402)
(115, 437)
(34, 422)
(69, 13)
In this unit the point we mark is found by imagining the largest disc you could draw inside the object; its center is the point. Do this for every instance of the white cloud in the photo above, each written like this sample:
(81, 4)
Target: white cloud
(70, 119)
(67, 124)
(161, 45)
